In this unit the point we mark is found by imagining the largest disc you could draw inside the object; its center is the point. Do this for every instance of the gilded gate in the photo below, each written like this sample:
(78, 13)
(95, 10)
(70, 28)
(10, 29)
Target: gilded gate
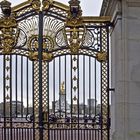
(55, 72)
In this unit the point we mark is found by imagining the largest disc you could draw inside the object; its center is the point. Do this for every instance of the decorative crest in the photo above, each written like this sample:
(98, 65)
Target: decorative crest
(74, 14)
(101, 56)
(8, 28)
(36, 4)
(74, 27)
(48, 45)
(46, 4)
(6, 8)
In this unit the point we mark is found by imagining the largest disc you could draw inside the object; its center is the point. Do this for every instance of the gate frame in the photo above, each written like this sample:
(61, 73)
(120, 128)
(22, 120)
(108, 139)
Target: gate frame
(32, 8)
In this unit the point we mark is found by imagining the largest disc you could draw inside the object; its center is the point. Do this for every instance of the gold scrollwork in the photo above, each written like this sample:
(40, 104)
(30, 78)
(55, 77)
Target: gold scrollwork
(9, 34)
(75, 41)
(101, 56)
(36, 4)
(46, 4)
(45, 56)
(74, 21)
(48, 45)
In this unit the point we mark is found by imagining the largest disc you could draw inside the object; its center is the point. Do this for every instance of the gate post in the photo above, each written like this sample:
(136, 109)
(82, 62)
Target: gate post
(125, 50)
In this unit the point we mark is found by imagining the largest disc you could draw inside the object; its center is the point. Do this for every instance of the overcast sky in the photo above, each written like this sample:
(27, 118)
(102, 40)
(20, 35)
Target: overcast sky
(89, 7)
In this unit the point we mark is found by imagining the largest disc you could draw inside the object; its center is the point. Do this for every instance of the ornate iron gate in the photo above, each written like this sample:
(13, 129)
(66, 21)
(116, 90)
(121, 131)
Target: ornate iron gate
(54, 77)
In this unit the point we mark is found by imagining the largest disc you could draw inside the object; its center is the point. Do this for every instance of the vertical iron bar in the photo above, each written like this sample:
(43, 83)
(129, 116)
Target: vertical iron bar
(4, 96)
(78, 67)
(84, 92)
(54, 87)
(65, 87)
(48, 101)
(16, 72)
(22, 86)
(90, 107)
(95, 87)
(95, 75)
(11, 97)
(27, 75)
(101, 126)
(33, 100)
(84, 83)
(40, 49)
(54, 131)
(59, 87)
(71, 89)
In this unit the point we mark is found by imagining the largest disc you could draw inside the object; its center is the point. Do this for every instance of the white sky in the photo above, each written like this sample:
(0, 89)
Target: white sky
(89, 7)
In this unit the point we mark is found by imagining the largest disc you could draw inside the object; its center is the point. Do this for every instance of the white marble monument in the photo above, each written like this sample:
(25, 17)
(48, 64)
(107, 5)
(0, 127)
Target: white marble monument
(125, 67)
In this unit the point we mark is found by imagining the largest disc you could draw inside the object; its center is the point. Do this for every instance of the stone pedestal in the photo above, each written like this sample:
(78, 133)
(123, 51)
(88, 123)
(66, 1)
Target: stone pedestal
(125, 68)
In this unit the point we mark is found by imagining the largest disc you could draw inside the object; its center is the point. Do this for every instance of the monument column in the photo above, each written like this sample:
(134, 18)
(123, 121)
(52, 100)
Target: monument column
(125, 67)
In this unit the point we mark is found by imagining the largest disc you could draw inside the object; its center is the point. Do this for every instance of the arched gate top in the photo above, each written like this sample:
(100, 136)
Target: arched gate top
(65, 30)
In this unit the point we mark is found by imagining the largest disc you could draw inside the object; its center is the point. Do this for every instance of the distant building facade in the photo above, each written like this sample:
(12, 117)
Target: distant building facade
(16, 106)
(91, 102)
(61, 107)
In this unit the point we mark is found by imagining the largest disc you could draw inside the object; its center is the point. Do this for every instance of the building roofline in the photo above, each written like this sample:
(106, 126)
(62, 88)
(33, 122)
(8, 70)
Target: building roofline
(104, 7)
(108, 7)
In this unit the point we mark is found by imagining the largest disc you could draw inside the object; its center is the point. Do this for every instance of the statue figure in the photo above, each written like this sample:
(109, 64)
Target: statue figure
(62, 88)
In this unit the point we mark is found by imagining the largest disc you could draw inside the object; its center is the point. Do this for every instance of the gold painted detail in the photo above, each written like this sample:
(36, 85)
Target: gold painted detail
(95, 19)
(9, 34)
(75, 30)
(48, 45)
(75, 39)
(62, 88)
(36, 4)
(74, 14)
(45, 56)
(101, 56)
(46, 4)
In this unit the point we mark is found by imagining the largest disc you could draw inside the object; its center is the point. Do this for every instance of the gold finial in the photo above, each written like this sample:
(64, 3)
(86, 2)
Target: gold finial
(62, 88)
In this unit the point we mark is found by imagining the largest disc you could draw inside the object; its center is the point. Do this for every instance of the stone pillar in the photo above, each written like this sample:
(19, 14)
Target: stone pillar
(125, 68)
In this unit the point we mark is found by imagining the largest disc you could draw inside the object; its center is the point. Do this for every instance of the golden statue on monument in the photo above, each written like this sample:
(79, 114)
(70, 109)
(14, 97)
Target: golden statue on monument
(62, 88)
